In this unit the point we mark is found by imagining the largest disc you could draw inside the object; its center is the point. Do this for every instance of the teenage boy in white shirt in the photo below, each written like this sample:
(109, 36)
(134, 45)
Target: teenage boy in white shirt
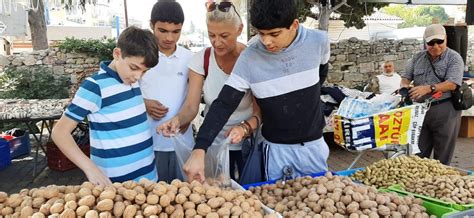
(171, 73)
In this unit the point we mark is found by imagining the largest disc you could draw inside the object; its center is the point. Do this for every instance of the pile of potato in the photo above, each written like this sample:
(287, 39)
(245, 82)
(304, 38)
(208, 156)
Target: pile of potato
(401, 170)
(131, 199)
(452, 189)
(335, 196)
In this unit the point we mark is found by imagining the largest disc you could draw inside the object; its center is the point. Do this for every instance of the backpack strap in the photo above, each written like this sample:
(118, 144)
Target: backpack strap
(207, 55)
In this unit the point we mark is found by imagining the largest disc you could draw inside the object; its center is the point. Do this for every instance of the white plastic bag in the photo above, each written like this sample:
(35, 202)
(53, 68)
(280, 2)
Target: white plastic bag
(216, 161)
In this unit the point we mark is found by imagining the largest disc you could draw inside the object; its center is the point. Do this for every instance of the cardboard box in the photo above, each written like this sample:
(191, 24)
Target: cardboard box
(467, 127)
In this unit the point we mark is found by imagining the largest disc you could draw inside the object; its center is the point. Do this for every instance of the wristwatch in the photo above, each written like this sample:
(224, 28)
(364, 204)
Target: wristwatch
(433, 88)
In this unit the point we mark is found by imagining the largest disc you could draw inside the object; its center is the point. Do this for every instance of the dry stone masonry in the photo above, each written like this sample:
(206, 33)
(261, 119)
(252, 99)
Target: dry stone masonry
(352, 61)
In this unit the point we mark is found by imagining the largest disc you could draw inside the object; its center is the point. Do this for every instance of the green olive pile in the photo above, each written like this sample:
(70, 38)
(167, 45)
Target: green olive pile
(401, 170)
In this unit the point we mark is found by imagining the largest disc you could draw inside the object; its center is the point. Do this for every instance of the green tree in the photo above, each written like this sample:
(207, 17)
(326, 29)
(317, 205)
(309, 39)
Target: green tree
(350, 11)
(417, 15)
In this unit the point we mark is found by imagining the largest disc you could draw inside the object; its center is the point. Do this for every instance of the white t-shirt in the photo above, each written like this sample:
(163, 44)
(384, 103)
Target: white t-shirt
(213, 84)
(167, 82)
(389, 84)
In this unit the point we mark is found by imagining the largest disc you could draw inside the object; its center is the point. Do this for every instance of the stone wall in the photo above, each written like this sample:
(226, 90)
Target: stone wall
(73, 65)
(470, 50)
(352, 61)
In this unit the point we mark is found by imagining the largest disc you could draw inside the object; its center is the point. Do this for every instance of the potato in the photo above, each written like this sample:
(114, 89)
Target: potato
(236, 211)
(38, 215)
(129, 211)
(88, 200)
(189, 205)
(190, 212)
(105, 214)
(26, 211)
(159, 190)
(165, 200)
(44, 209)
(140, 199)
(105, 205)
(92, 214)
(129, 194)
(170, 209)
(56, 208)
(82, 210)
(203, 209)
(150, 210)
(68, 213)
(14, 200)
(7, 211)
(195, 198)
(70, 197)
(185, 191)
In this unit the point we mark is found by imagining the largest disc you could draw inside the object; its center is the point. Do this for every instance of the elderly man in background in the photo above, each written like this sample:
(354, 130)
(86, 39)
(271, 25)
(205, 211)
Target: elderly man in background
(388, 82)
(437, 68)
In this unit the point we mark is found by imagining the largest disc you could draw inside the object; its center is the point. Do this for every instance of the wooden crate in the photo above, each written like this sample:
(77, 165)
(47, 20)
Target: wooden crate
(467, 127)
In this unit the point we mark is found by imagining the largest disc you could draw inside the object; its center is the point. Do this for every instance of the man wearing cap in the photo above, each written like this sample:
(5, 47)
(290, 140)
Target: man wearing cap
(437, 68)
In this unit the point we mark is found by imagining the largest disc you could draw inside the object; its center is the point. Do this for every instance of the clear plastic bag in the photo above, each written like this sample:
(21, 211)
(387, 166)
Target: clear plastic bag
(216, 161)
(357, 108)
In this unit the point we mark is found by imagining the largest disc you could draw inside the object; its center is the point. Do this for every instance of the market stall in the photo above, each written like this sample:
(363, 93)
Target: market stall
(35, 114)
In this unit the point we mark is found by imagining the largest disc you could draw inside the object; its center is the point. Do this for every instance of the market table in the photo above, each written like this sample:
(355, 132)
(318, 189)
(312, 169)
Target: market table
(46, 122)
(30, 112)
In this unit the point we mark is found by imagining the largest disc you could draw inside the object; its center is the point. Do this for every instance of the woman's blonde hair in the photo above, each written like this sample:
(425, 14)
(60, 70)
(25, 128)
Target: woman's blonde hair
(219, 16)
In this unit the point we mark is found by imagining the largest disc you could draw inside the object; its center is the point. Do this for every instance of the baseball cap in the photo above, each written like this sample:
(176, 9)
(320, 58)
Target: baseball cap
(434, 31)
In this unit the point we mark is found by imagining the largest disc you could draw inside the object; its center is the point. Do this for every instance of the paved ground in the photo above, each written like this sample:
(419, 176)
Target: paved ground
(20, 174)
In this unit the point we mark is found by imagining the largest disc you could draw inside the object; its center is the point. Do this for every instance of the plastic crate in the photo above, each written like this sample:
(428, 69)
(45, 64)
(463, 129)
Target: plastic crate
(348, 172)
(460, 207)
(460, 214)
(5, 156)
(246, 187)
(20, 145)
(58, 161)
(441, 211)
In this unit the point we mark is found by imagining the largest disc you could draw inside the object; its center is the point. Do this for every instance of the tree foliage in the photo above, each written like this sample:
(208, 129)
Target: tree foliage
(351, 11)
(417, 15)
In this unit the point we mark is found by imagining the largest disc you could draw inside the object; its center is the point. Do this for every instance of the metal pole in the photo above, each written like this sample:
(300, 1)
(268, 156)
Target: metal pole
(126, 13)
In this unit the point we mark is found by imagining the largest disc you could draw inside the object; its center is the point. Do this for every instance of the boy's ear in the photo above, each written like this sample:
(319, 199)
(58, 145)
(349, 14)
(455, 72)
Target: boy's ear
(117, 53)
(295, 24)
(152, 27)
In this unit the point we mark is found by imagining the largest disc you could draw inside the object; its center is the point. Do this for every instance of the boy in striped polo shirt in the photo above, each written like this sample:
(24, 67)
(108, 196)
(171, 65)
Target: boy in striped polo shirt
(120, 137)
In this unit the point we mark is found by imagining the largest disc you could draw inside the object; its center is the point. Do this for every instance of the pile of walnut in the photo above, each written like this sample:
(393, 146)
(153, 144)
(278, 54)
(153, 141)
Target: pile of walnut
(335, 196)
(131, 199)
(402, 170)
(452, 189)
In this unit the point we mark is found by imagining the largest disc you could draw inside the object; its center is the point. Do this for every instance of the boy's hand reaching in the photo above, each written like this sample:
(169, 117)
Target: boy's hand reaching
(96, 176)
(155, 109)
(169, 127)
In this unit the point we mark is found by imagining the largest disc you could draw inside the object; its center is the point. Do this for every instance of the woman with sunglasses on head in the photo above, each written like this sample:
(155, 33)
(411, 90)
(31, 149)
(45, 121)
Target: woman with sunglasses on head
(438, 68)
(224, 26)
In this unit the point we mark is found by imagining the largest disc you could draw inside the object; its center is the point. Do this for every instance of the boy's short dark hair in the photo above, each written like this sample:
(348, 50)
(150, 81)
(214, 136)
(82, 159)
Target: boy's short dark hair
(168, 11)
(271, 14)
(136, 42)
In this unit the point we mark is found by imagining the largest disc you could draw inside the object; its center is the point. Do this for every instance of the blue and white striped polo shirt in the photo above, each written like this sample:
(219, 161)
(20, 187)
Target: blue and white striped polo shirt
(120, 137)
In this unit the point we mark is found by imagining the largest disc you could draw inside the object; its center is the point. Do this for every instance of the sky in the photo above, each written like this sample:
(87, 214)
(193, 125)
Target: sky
(194, 11)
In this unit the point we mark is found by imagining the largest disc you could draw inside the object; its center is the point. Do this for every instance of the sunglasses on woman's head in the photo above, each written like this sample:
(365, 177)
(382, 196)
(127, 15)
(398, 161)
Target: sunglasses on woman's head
(435, 41)
(222, 6)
